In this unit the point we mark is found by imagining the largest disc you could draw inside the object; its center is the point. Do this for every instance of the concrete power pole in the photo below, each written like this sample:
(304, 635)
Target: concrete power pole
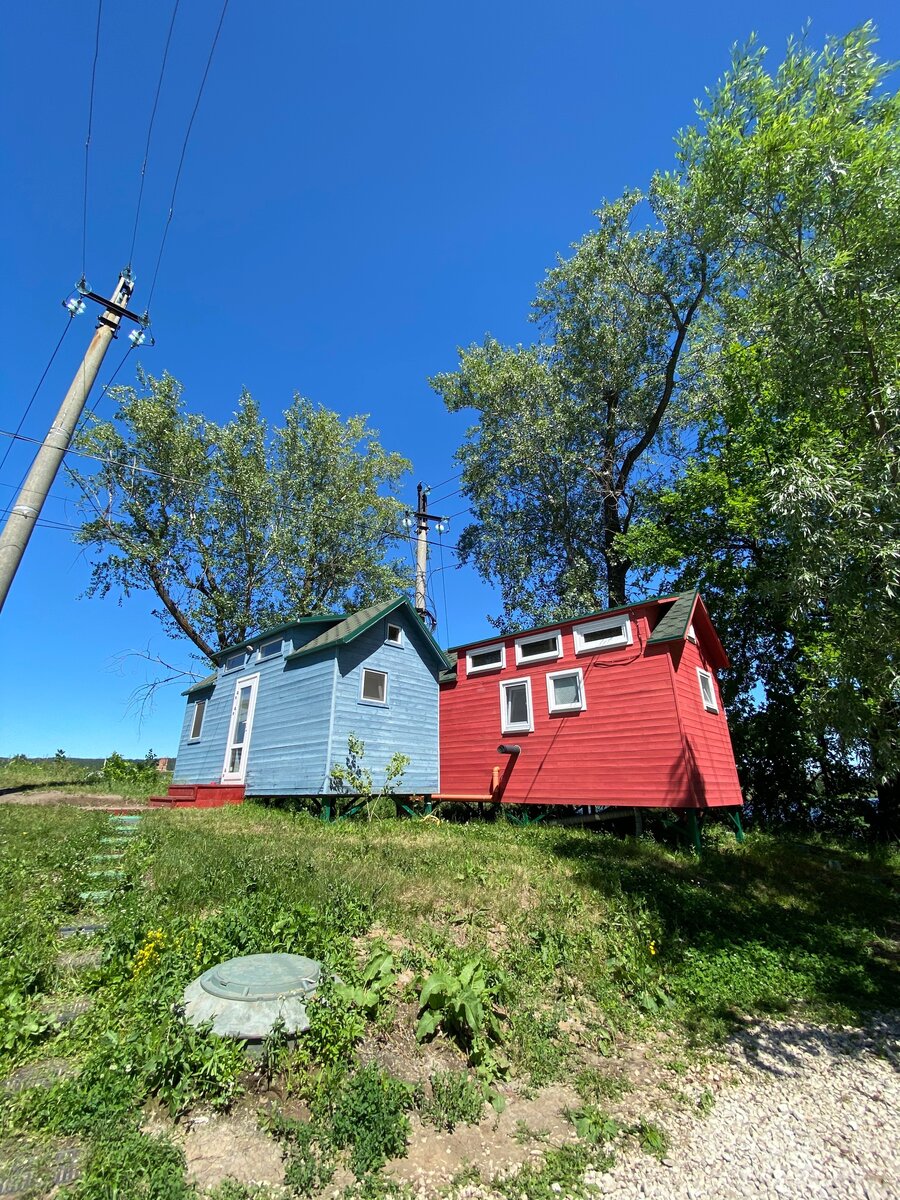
(423, 516)
(30, 501)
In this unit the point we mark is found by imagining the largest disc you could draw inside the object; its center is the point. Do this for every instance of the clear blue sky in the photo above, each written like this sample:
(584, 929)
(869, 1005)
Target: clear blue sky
(367, 187)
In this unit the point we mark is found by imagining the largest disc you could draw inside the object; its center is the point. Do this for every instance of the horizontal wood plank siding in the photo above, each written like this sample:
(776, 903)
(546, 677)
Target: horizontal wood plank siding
(625, 748)
(408, 723)
(708, 751)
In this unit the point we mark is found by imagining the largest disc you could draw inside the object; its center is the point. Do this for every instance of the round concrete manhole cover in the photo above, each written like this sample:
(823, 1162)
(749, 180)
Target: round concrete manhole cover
(244, 997)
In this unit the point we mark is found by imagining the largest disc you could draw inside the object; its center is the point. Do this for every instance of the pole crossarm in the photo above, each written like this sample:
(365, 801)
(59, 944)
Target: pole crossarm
(25, 512)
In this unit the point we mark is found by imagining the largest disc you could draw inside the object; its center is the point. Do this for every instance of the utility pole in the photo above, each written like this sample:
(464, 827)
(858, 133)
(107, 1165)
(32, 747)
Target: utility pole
(30, 501)
(423, 516)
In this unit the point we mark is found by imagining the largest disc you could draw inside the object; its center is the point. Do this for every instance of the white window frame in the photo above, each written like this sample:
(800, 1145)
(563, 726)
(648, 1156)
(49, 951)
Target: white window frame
(497, 666)
(388, 640)
(279, 642)
(201, 706)
(691, 636)
(364, 699)
(522, 643)
(710, 705)
(552, 706)
(232, 663)
(582, 647)
(519, 727)
(238, 776)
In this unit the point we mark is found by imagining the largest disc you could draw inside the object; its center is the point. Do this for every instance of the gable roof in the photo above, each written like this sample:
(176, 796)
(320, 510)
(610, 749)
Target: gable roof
(264, 634)
(354, 624)
(681, 610)
(674, 624)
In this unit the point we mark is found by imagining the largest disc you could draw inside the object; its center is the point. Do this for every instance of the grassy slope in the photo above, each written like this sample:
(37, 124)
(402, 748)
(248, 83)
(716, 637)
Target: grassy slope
(79, 776)
(617, 933)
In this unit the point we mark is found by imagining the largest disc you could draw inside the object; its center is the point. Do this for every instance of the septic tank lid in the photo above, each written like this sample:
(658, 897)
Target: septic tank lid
(262, 977)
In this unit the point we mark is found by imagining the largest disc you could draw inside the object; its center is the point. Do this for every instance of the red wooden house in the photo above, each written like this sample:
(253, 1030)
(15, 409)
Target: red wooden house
(618, 708)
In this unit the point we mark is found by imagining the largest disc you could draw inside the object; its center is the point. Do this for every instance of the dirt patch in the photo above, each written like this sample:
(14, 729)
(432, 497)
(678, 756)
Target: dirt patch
(500, 1143)
(73, 800)
(217, 1148)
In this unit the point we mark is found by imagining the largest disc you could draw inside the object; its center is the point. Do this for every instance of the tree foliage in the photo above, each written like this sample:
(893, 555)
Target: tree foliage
(572, 430)
(795, 480)
(718, 392)
(238, 526)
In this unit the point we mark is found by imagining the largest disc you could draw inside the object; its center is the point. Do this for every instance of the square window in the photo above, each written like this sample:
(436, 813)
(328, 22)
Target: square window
(486, 658)
(374, 686)
(197, 722)
(235, 660)
(269, 650)
(515, 706)
(602, 635)
(394, 635)
(565, 691)
(707, 691)
(539, 648)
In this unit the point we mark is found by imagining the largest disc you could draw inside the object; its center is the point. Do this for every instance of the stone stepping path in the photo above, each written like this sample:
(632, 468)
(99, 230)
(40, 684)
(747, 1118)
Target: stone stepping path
(80, 960)
(85, 930)
(122, 827)
(63, 1010)
(28, 1169)
(42, 1074)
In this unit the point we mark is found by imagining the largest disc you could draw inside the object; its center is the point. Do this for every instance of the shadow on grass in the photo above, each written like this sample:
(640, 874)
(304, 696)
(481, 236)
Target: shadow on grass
(767, 927)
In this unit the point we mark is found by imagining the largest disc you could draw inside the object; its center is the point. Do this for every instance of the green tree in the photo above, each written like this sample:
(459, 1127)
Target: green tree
(795, 479)
(571, 430)
(238, 526)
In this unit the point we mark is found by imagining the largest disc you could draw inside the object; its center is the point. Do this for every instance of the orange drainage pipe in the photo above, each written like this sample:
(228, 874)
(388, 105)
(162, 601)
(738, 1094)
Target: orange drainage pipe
(495, 785)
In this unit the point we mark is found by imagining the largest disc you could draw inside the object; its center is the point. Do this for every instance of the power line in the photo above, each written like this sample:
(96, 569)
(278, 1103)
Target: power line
(434, 487)
(184, 152)
(37, 389)
(87, 144)
(159, 83)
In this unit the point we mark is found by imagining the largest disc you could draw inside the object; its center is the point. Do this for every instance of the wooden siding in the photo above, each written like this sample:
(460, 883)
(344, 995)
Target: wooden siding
(306, 708)
(709, 757)
(629, 746)
(409, 721)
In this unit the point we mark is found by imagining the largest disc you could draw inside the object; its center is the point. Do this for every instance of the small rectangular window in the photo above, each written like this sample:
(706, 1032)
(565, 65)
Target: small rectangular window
(536, 649)
(394, 635)
(374, 686)
(707, 691)
(197, 722)
(235, 660)
(692, 637)
(565, 691)
(486, 658)
(515, 706)
(269, 650)
(602, 635)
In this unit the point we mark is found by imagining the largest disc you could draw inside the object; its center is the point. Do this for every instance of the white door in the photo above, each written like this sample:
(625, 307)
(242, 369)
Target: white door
(234, 769)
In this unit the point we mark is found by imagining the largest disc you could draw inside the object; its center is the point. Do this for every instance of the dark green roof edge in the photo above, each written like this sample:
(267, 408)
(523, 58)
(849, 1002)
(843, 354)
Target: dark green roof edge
(603, 612)
(263, 634)
(378, 614)
(208, 682)
(674, 625)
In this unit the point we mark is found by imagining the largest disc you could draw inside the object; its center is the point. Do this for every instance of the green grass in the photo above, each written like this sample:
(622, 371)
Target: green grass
(121, 777)
(551, 924)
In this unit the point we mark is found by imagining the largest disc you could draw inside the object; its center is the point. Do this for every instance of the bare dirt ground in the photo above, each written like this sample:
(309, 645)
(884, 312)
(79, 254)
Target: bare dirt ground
(75, 799)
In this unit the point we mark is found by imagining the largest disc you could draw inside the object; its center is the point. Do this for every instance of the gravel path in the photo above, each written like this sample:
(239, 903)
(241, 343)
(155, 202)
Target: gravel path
(816, 1116)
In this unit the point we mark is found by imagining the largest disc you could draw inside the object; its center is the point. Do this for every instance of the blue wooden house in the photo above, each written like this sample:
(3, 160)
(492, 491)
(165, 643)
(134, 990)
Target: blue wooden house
(275, 717)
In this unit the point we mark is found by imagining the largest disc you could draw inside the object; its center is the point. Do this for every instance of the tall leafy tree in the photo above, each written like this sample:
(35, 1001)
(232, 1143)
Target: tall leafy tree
(572, 429)
(238, 526)
(805, 161)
